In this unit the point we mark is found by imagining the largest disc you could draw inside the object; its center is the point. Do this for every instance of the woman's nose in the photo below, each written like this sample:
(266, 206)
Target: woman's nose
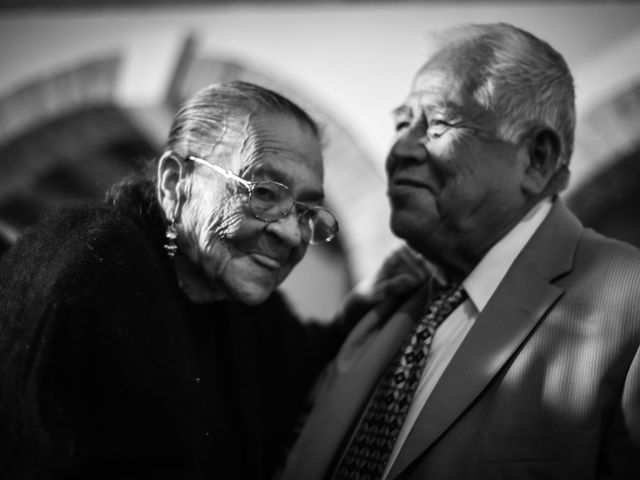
(288, 228)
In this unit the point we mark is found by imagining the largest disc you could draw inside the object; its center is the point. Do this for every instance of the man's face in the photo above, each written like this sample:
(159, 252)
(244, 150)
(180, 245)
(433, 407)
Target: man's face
(454, 187)
(239, 255)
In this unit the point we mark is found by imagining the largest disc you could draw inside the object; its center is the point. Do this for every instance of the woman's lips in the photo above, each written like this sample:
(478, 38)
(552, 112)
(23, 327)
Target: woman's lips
(266, 261)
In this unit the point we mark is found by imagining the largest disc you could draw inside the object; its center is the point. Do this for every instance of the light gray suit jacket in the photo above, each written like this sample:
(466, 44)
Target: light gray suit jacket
(546, 384)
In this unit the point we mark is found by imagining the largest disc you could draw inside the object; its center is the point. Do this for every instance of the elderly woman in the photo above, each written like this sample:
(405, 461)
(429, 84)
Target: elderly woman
(143, 338)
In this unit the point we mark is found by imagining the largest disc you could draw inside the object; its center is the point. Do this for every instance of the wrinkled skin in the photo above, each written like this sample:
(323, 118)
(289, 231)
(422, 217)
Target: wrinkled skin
(455, 188)
(224, 252)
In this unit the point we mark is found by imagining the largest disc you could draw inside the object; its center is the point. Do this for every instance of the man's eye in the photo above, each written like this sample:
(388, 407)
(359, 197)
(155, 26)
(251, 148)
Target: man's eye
(438, 127)
(402, 124)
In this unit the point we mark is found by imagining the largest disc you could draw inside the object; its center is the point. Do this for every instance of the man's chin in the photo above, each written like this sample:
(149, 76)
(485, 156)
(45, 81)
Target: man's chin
(412, 229)
(403, 225)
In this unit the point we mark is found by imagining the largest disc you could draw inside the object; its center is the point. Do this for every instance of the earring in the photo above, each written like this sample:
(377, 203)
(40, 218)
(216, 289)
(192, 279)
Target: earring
(172, 233)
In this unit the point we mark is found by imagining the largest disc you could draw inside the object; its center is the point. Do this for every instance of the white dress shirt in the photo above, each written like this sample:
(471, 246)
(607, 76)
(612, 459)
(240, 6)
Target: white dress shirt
(480, 285)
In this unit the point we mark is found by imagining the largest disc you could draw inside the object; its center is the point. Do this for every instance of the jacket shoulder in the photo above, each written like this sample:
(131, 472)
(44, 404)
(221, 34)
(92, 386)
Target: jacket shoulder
(609, 254)
(608, 270)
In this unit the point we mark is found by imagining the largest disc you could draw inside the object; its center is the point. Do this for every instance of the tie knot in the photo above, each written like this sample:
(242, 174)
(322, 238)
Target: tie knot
(455, 293)
(445, 301)
(448, 291)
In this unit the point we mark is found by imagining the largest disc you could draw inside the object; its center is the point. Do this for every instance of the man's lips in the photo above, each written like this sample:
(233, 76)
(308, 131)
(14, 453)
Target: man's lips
(406, 181)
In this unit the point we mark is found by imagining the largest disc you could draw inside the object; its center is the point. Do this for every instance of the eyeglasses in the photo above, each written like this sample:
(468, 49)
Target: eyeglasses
(270, 201)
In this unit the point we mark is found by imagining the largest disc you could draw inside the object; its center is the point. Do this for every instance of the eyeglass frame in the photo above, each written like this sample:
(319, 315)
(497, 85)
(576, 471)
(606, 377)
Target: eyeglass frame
(250, 186)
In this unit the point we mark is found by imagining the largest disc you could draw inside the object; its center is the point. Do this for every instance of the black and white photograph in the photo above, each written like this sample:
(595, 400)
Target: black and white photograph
(319, 240)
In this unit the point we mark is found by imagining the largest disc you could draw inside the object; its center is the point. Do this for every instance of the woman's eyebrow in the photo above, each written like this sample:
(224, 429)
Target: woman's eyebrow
(266, 172)
(313, 197)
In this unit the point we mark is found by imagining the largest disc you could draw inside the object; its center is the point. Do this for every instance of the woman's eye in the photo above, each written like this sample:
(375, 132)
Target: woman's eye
(304, 212)
(266, 193)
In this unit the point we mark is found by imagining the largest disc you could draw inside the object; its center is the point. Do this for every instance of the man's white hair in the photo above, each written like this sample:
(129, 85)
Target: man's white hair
(525, 81)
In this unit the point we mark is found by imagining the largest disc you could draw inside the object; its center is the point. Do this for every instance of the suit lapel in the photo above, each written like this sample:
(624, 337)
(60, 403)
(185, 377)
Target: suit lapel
(351, 378)
(519, 303)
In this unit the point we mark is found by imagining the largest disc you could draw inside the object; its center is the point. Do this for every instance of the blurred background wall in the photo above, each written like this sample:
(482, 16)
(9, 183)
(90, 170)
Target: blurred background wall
(88, 88)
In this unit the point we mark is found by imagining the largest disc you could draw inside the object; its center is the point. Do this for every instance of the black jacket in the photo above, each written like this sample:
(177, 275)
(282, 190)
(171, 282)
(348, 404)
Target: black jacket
(107, 370)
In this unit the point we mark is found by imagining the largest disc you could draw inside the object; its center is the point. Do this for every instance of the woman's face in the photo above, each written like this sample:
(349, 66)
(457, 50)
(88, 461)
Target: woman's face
(237, 255)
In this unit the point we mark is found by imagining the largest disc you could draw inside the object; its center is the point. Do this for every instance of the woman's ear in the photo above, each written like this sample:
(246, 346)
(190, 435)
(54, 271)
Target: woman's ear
(543, 148)
(170, 174)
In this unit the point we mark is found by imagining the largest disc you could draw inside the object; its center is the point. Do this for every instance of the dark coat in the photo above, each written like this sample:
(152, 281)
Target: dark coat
(107, 370)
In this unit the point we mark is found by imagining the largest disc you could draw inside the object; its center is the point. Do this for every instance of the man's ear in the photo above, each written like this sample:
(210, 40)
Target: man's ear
(543, 149)
(170, 195)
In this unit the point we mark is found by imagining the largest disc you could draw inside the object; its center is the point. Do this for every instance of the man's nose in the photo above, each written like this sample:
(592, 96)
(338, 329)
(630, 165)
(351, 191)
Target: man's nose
(287, 228)
(408, 148)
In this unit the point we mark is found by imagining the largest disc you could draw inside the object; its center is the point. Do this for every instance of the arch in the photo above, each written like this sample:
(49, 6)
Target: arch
(41, 103)
(607, 197)
(608, 123)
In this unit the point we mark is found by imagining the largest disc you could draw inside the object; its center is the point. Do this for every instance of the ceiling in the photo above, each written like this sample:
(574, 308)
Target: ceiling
(87, 4)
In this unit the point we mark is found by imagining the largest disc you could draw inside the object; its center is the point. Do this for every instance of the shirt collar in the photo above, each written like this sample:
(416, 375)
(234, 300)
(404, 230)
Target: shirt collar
(484, 279)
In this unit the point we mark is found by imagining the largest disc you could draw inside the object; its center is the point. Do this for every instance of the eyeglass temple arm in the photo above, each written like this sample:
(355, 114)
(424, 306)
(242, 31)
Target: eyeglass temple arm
(221, 170)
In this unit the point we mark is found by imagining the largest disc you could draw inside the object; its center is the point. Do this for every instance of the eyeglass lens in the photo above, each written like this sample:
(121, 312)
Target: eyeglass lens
(271, 201)
(323, 225)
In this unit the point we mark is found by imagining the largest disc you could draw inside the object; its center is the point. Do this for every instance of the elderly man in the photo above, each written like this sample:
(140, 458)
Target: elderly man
(518, 358)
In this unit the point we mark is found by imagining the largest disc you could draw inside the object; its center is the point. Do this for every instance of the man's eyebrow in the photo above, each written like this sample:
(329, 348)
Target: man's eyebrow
(450, 109)
(401, 111)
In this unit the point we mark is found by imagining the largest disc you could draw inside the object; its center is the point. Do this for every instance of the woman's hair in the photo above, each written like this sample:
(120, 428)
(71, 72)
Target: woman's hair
(200, 124)
(524, 80)
(202, 121)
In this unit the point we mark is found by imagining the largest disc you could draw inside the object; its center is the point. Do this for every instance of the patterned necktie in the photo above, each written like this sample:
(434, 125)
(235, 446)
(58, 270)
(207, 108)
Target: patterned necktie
(372, 442)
